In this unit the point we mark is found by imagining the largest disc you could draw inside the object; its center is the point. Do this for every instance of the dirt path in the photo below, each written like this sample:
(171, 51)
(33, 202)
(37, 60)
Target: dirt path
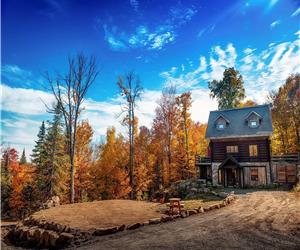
(260, 220)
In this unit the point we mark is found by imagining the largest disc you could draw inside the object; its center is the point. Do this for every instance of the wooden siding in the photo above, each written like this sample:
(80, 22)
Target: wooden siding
(219, 154)
(262, 177)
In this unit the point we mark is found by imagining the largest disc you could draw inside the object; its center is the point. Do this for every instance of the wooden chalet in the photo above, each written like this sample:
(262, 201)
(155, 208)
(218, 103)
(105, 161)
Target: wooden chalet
(239, 148)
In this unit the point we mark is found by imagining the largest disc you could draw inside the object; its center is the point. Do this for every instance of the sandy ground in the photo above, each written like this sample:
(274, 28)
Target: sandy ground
(100, 213)
(258, 220)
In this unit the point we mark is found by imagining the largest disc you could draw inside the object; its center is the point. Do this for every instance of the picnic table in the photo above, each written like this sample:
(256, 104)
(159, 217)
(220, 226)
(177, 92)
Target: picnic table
(175, 203)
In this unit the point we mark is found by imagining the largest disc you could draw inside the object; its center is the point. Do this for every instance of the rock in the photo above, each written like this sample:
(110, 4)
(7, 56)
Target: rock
(23, 233)
(214, 193)
(183, 214)
(222, 204)
(122, 227)
(206, 209)
(56, 201)
(154, 221)
(166, 218)
(201, 210)
(53, 237)
(105, 231)
(37, 234)
(222, 194)
(134, 226)
(64, 239)
(191, 212)
(194, 190)
(44, 240)
(176, 216)
(206, 190)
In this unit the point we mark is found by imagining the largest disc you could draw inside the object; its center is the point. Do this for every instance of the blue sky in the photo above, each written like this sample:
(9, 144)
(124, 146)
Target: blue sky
(186, 43)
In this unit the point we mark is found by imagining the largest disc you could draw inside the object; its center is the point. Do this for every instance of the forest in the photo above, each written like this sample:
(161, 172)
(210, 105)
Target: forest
(66, 163)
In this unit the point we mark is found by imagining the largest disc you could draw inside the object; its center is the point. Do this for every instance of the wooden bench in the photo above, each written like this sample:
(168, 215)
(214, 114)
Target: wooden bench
(175, 203)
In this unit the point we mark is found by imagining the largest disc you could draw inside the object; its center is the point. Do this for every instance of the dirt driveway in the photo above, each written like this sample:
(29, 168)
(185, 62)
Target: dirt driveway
(258, 220)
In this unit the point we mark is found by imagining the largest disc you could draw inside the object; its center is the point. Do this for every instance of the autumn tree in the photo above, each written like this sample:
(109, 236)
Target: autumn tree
(229, 91)
(83, 161)
(286, 116)
(184, 103)
(164, 125)
(110, 169)
(69, 91)
(131, 89)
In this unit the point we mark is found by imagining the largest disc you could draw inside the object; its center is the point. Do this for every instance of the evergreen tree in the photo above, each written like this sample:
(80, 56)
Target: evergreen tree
(38, 155)
(56, 160)
(23, 158)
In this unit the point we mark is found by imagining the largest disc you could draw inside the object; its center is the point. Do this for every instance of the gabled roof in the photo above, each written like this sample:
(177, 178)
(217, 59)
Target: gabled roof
(254, 113)
(238, 127)
(229, 161)
(222, 116)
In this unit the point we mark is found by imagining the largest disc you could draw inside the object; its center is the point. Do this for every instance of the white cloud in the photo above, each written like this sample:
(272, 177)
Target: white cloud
(24, 101)
(296, 12)
(262, 71)
(151, 38)
(275, 23)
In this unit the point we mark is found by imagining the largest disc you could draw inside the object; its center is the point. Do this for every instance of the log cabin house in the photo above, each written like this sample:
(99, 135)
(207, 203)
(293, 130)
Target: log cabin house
(239, 148)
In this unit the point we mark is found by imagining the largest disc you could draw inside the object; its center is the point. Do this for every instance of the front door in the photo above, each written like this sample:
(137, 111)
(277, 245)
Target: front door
(231, 177)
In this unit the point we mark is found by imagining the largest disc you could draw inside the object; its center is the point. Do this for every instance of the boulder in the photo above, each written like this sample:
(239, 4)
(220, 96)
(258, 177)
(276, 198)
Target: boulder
(64, 239)
(191, 212)
(195, 190)
(53, 237)
(223, 194)
(105, 231)
(201, 210)
(56, 201)
(183, 214)
(166, 218)
(154, 221)
(121, 228)
(134, 226)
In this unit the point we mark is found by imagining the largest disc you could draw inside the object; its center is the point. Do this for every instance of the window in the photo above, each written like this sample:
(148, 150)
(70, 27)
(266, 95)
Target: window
(254, 174)
(253, 124)
(253, 150)
(221, 126)
(232, 149)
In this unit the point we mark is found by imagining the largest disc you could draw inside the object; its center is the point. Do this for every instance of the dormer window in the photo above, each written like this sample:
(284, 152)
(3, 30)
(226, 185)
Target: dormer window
(221, 122)
(253, 119)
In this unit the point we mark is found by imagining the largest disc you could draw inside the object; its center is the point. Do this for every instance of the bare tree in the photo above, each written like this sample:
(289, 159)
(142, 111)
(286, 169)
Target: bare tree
(131, 89)
(69, 91)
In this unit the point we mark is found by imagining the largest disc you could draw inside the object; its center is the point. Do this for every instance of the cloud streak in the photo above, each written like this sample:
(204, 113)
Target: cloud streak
(148, 37)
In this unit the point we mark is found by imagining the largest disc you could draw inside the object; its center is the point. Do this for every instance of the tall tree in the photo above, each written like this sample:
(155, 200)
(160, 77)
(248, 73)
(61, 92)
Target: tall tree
(184, 102)
(229, 91)
(165, 124)
(54, 173)
(83, 161)
(38, 155)
(131, 89)
(23, 157)
(109, 170)
(285, 114)
(69, 91)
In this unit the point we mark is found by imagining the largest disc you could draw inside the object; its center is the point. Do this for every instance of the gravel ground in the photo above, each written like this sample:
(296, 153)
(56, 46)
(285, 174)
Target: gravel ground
(258, 220)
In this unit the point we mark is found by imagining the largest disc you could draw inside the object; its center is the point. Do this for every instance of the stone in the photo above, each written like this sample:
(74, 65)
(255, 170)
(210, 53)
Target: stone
(223, 194)
(64, 239)
(183, 214)
(194, 190)
(56, 201)
(191, 212)
(122, 227)
(176, 216)
(44, 240)
(105, 231)
(206, 190)
(166, 218)
(37, 234)
(154, 221)
(201, 210)
(134, 226)
(53, 237)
